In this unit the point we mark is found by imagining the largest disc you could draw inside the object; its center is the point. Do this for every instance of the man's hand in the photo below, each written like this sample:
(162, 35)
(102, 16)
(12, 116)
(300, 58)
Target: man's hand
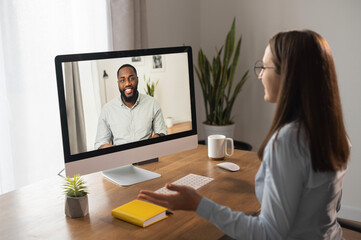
(158, 135)
(106, 146)
(183, 198)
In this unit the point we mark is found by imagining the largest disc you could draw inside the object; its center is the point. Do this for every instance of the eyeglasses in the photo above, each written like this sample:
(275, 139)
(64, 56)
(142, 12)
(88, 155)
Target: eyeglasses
(258, 67)
(130, 79)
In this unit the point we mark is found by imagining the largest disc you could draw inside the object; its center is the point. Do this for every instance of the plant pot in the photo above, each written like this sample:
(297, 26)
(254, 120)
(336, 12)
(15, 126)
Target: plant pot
(226, 130)
(76, 207)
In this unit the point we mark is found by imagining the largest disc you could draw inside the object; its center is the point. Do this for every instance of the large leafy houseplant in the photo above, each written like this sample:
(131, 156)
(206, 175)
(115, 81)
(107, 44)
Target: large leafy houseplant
(217, 80)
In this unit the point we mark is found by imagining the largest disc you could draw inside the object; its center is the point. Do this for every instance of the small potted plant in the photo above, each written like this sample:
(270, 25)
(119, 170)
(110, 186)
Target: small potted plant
(76, 203)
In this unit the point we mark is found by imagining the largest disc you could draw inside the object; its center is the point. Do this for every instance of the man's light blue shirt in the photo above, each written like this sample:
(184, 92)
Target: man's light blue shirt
(121, 124)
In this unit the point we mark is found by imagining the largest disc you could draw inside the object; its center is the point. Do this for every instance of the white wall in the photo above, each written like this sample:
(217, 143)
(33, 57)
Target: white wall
(205, 23)
(172, 91)
(175, 23)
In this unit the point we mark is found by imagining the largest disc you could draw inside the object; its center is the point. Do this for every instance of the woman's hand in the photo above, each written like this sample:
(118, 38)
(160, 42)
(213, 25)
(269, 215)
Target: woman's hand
(183, 198)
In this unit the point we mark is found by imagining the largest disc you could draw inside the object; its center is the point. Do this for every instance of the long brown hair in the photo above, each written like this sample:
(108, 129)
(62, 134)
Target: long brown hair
(309, 94)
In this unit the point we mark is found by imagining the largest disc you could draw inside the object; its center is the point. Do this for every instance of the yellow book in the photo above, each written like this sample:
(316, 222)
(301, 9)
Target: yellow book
(140, 213)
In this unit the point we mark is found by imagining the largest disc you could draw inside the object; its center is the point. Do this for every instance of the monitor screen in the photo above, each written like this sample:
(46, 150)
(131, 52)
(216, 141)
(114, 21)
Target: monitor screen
(124, 107)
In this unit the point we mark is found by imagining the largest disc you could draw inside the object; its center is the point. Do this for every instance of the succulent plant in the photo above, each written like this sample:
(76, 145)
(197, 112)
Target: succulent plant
(75, 187)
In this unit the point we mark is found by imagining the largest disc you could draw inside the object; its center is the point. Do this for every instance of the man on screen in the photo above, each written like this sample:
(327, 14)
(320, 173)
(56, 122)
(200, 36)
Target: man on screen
(130, 117)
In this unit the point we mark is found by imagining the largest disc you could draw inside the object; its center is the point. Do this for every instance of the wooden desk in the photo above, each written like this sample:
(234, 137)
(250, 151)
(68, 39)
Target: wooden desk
(37, 211)
(180, 127)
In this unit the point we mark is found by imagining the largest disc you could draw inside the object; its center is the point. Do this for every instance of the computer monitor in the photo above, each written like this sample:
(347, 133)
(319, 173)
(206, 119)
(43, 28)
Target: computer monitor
(92, 108)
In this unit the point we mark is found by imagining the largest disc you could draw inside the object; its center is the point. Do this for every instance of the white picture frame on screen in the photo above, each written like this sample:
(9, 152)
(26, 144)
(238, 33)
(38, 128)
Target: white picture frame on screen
(158, 63)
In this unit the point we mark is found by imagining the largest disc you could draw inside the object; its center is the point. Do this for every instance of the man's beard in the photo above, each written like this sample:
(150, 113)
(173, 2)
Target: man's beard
(131, 98)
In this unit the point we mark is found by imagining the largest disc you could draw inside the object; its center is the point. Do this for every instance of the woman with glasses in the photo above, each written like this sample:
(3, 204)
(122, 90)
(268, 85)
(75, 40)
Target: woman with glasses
(304, 154)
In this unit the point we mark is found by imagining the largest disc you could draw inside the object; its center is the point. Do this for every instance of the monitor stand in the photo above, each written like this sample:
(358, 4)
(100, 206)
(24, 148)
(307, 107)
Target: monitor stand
(129, 175)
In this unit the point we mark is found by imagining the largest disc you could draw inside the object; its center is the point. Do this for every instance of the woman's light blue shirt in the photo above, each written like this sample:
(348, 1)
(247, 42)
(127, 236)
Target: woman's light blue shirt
(297, 202)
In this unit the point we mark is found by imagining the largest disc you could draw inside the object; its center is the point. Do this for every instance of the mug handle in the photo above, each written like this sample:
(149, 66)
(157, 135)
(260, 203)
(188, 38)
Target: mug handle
(232, 147)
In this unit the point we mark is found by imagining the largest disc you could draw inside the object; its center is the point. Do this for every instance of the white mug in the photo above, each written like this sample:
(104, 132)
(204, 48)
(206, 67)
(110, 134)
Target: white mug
(217, 146)
(169, 122)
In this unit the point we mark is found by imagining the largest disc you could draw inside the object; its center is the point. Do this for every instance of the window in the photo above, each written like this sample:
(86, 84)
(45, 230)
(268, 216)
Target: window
(32, 33)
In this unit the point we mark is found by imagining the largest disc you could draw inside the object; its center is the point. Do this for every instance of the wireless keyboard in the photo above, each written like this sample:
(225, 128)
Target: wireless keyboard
(192, 180)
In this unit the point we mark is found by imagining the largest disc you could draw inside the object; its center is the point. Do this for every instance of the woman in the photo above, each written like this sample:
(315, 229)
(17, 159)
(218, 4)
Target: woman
(304, 154)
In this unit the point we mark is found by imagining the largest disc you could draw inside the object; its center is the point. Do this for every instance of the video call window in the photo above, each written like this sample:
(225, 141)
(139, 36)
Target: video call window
(91, 84)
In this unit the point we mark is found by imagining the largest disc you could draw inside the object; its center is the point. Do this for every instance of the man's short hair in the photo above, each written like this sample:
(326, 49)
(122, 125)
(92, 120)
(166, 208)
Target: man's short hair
(127, 65)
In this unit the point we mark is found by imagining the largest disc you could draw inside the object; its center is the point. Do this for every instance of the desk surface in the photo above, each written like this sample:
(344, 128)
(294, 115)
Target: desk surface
(37, 211)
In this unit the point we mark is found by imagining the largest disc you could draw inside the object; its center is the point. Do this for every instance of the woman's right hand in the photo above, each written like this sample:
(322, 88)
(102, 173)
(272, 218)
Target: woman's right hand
(183, 198)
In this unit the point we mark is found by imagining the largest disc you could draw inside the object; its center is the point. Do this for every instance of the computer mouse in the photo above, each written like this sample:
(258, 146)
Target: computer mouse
(229, 166)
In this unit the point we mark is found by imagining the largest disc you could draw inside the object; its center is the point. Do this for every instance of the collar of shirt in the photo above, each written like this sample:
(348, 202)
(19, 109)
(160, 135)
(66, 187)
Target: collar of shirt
(135, 104)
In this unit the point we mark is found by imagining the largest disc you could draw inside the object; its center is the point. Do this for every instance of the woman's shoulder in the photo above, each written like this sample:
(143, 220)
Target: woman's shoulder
(291, 132)
(291, 141)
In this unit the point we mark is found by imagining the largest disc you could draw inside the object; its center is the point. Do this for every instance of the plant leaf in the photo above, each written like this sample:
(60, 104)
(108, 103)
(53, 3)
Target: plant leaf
(75, 187)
